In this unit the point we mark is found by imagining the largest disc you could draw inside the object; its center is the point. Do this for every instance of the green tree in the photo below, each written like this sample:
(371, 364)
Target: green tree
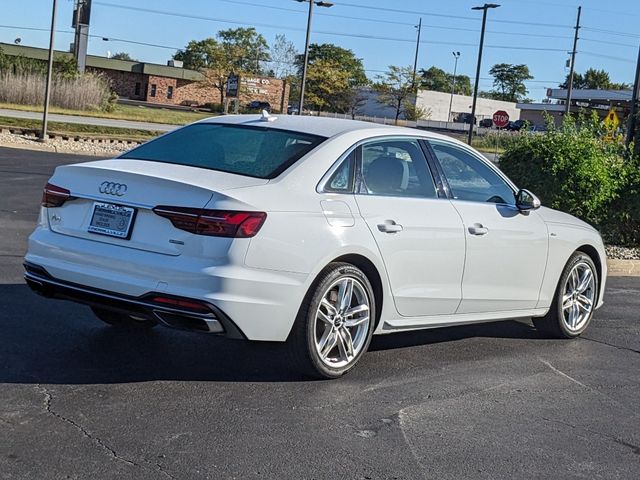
(283, 57)
(438, 80)
(245, 49)
(509, 81)
(123, 56)
(337, 95)
(326, 85)
(207, 56)
(395, 88)
(594, 79)
(201, 54)
(344, 58)
(356, 99)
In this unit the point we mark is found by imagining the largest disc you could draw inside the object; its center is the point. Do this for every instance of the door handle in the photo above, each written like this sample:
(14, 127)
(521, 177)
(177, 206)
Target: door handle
(478, 229)
(389, 226)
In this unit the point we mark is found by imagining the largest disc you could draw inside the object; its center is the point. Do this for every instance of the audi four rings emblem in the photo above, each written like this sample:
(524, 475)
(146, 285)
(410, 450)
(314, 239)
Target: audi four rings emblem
(112, 188)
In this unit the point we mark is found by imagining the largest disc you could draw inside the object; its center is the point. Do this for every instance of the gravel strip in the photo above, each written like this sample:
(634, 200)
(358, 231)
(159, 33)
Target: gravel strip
(84, 146)
(623, 253)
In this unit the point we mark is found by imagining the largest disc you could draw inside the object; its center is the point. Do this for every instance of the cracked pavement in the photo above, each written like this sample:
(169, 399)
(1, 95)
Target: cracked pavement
(79, 400)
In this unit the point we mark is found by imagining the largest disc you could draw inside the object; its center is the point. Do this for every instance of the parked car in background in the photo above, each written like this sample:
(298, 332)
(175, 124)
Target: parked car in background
(516, 125)
(315, 232)
(486, 123)
(464, 118)
(259, 105)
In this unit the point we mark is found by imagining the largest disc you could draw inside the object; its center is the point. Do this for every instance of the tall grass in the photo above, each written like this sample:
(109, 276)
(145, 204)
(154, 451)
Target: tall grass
(83, 92)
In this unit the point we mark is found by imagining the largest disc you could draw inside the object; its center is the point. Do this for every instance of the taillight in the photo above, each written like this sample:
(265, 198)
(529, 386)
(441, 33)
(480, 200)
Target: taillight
(215, 223)
(54, 196)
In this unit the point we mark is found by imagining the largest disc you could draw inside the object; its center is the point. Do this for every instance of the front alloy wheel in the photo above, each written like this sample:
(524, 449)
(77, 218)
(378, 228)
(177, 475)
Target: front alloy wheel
(575, 300)
(578, 297)
(335, 322)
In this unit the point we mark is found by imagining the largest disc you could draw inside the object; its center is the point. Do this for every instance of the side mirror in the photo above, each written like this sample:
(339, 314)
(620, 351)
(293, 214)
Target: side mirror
(525, 201)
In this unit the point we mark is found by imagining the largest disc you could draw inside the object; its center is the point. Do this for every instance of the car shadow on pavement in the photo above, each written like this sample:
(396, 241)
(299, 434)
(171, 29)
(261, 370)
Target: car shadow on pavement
(55, 342)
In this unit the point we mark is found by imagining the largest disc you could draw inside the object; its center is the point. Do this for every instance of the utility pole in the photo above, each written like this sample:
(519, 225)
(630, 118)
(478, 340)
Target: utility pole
(633, 114)
(456, 55)
(415, 61)
(484, 9)
(47, 90)
(567, 107)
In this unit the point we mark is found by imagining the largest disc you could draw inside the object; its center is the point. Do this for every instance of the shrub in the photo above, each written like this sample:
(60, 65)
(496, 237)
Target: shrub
(81, 92)
(497, 139)
(622, 225)
(575, 169)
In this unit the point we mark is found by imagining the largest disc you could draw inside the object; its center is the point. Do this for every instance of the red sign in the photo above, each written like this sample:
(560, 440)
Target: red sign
(501, 119)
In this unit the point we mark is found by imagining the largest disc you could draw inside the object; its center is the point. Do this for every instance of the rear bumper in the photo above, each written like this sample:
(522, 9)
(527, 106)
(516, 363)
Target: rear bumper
(213, 321)
(262, 304)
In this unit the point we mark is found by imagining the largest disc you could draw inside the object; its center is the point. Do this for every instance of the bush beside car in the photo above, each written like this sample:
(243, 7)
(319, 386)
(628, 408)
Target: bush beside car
(578, 169)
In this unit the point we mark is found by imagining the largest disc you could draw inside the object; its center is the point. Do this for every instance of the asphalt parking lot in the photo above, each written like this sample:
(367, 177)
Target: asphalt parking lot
(80, 400)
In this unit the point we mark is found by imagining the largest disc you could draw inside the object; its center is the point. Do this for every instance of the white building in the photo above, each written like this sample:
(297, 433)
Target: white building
(437, 106)
(437, 103)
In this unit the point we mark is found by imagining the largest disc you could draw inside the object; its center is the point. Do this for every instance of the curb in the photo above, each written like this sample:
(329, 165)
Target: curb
(623, 268)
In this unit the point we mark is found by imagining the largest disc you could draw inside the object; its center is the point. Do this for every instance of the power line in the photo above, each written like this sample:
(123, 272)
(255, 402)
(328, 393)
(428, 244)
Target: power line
(35, 29)
(323, 32)
(609, 57)
(612, 32)
(609, 43)
(134, 42)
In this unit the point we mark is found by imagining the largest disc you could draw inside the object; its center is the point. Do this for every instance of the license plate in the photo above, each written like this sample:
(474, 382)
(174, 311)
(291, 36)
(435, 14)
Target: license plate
(112, 220)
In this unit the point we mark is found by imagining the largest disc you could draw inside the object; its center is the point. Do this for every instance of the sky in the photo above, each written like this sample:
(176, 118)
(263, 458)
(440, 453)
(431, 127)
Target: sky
(538, 33)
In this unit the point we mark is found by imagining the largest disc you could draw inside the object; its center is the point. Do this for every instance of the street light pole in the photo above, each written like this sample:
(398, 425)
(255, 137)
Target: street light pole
(47, 91)
(303, 82)
(484, 9)
(456, 55)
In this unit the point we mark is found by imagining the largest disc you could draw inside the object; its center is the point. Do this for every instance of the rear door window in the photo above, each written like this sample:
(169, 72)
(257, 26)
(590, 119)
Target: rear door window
(396, 168)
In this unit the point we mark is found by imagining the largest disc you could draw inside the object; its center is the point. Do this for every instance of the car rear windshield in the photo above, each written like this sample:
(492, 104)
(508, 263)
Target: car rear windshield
(261, 152)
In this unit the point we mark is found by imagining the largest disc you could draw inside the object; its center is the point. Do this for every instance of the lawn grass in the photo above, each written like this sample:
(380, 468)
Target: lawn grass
(73, 129)
(124, 112)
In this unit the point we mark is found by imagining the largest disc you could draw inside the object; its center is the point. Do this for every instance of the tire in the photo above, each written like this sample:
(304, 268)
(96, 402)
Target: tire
(329, 336)
(574, 302)
(122, 320)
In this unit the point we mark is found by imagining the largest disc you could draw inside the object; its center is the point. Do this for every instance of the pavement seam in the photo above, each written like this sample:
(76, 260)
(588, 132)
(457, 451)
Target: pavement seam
(619, 441)
(85, 433)
(609, 344)
(561, 373)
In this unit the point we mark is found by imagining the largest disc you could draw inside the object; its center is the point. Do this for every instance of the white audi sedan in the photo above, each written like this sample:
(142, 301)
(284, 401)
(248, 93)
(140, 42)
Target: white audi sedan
(311, 231)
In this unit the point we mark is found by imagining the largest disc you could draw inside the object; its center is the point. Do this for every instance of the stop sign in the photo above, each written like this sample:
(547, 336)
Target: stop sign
(501, 119)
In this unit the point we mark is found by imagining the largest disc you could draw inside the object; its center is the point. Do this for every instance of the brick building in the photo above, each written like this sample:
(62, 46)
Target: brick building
(165, 84)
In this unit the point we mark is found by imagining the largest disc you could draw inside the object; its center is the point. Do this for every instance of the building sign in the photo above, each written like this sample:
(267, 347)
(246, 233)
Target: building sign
(233, 84)
(256, 85)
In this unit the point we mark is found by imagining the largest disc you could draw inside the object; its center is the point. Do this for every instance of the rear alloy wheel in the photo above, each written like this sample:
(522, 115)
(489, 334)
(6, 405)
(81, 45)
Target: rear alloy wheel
(122, 320)
(335, 325)
(575, 300)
